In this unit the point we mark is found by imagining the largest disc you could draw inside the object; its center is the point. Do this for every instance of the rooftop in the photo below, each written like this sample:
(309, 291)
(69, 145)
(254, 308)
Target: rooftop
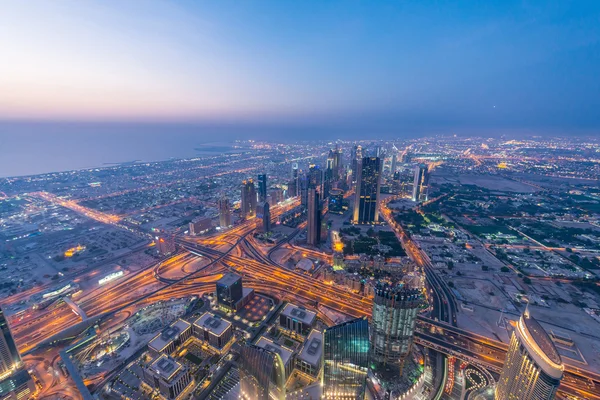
(299, 314)
(283, 352)
(163, 339)
(228, 279)
(313, 347)
(166, 367)
(212, 323)
(541, 338)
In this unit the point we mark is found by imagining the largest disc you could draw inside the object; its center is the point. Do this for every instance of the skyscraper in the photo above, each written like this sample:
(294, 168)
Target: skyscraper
(313, 213)
(345, 359)
(248, 206)
(9, 355)
(262, 187)
(420, 183)
(224, 212)
(395, 309)
(533, 368)
(315, 178)
(262, 374)
(394, 164)
(355, 156)
(366, 198)
(264, 216)
(229, 290)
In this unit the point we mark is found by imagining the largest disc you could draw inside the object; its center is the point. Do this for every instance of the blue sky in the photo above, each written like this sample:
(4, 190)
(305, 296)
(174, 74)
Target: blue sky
(421, 65)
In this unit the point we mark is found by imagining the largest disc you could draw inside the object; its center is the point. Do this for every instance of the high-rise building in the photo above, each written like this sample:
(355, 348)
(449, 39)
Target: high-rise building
(17, 385)
(199, 225)
(264, 217)
(248, 206)
(313, 215)
(395, 309)
(262, 187)
(224, 212)
(315, 178)
(355, 156)
(533, 368)
(345, 360)
(338, 165)
(166, 244)
(229, 290)
(420, 183)
(394, 164)
(262, 374)
(366, 198)
(10, 359)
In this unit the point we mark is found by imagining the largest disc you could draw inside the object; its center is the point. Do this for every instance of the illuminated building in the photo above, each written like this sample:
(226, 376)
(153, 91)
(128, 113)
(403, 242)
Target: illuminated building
(200, 225)
(420, 183)
(213, 330)
(313, 215)
(229, 290)
(345, 360)
(395, 309)
(166, 245)
(533, 368)
(171, 379)
(366, 198)
(248, 206)
(310, 357)
(264, 217)
(315, 178)
(262, 374)
(262, 187)
(9, 355)
(170, 338)
(355, 156)
(224, 212)
(286, 354)
(336, 201)
(296, 321)
(17, 386)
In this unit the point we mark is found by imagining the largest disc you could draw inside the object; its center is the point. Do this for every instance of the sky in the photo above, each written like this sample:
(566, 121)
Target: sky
(371, 66)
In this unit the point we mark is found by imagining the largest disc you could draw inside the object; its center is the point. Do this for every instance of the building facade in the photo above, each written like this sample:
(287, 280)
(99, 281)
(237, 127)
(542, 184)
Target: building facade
(345, 360)
(262, 375)
(366, 198)
(420, 191)
(9, 355)
(313, 215)
(533, 368)
(248, 199)
(224, 212)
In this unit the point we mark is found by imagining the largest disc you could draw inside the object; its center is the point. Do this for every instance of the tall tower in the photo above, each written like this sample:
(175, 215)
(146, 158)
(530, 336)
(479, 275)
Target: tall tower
(262, 374)
(420, 183)
(366, 198)
(345, 360)
(224, 212)
(9, 355)
(394, 164)
(313, 213)
(395, 311)
(533, 368)
(355, 156)
(248, 207)
(264, 216)
(262, 187)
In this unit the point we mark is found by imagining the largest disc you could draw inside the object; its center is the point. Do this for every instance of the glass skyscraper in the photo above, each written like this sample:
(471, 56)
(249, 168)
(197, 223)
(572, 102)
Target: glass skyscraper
(533, 368)
(262, 374)
(366, 198)
(346, 360)
(9, 355)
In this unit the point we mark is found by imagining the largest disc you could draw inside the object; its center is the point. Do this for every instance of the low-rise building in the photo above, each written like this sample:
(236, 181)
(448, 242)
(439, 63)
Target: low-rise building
(296, 320)
(171, 379)
(170, 338)
(213, 330)
(309, 359)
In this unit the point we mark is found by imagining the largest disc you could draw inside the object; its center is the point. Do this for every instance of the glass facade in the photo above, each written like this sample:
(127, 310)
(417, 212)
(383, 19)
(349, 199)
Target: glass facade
(368, 181)
(262, 374)
(9, 355)
(346, 360)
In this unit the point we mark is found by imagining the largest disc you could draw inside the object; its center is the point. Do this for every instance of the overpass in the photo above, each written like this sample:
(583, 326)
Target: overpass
(76, 309)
